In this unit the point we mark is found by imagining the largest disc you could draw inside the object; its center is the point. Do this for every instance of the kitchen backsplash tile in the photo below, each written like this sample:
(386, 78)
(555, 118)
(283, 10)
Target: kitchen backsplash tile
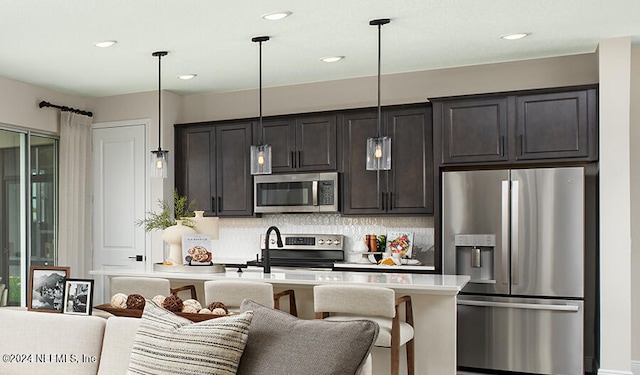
(239, 237)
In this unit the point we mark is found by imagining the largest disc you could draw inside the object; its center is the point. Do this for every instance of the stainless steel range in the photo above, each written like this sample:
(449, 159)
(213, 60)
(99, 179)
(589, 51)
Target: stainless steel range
(304, 250)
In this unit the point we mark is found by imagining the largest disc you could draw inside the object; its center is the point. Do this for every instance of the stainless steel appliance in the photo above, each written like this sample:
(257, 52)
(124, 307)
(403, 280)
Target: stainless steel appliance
(303, 250)
(520, 235)
(307, 192)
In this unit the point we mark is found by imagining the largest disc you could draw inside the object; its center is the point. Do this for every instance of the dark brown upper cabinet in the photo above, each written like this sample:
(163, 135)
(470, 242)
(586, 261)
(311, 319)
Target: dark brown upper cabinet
(302, 144)
(522, 127)
(406, 189)
(213, 167)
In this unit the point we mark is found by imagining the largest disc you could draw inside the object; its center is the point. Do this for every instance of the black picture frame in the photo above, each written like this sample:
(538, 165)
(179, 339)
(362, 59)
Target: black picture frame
(46, 288)
(78, 296)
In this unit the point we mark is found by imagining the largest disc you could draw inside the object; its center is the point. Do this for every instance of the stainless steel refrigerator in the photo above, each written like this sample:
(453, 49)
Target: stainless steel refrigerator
(520, 235)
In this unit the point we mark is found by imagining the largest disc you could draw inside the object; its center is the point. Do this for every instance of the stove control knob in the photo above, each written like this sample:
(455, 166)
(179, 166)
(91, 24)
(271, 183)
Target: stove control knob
(272, 241)
(329, 242)
(320, 242)
(336, 242)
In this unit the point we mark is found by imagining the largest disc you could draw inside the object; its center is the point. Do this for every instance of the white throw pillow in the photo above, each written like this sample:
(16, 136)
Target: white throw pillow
(169, 344)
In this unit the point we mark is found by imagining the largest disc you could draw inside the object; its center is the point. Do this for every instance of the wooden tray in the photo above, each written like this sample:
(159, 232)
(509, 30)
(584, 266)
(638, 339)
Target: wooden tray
(131, 313)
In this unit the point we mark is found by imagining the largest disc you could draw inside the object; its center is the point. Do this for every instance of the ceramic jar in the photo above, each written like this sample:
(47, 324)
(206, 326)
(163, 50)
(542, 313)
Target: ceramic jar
(173, 236)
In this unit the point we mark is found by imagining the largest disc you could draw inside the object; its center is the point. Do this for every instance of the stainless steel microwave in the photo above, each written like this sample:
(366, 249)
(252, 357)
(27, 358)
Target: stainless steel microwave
(305, 192)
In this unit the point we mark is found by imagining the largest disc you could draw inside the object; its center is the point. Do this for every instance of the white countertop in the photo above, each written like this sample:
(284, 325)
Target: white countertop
(403, 282)
(384, 267)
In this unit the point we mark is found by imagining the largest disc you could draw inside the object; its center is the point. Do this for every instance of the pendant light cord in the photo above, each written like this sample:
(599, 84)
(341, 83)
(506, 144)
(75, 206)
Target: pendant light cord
(259, 40)
(379, 23)
(160, 101)
(379, 108)
(160, 54)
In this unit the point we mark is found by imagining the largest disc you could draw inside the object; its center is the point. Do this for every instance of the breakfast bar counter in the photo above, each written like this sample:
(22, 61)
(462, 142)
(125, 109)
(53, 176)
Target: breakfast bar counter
(433, 297)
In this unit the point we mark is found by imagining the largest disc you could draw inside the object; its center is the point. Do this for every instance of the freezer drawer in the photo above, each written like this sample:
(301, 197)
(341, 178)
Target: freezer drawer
(520, 334)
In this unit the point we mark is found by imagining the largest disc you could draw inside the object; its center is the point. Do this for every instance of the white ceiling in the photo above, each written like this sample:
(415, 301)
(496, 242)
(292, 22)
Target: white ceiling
(49, 42)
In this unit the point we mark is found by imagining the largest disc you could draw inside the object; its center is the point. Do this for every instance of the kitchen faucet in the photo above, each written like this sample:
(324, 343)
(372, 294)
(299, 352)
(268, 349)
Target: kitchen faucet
(266, 262)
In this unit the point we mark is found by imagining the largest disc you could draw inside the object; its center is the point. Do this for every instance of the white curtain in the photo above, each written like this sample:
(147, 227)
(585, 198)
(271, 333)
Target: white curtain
(75, 189)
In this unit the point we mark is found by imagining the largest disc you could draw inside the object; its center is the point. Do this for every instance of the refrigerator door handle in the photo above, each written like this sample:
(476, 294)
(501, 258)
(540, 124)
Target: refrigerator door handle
(528, 306)
(515, 236)
(504, 251)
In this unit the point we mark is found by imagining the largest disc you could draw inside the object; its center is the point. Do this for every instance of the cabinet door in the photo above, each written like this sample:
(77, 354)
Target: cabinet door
(195, 166)
(361, 192)
(555, 125)
(233, 180)
(410, 180)
(316, 148)
(280, 134)
(474, 130)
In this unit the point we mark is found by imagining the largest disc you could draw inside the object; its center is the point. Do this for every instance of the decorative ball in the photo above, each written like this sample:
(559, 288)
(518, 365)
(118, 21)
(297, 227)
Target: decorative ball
(193, 304)
(218, 305)
(189, 309)
(173, 303)
(119, 301)
(136, 302)
(204, 311)
(159, 299)
(219, 311)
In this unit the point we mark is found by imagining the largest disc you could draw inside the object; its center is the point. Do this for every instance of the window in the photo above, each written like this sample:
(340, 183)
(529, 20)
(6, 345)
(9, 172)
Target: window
(28, 168)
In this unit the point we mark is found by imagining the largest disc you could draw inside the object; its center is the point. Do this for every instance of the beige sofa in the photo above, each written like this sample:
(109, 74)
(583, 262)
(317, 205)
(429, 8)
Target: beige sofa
(49, 343)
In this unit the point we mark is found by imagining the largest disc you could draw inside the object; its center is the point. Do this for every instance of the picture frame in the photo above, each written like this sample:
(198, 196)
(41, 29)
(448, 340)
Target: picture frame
(78, 296)
(400, 242)
(46, 288)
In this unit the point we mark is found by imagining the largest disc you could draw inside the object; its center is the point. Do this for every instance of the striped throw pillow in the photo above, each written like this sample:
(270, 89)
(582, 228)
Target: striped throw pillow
(169, 344)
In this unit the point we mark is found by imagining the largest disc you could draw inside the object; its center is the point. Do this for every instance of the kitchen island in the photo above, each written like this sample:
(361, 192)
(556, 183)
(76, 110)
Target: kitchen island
(433, 296)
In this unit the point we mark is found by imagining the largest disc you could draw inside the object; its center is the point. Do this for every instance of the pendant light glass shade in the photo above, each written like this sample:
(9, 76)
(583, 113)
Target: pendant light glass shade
(378, 154)
(261, 153)
(159, 165)
(261, 159)
(379, 147)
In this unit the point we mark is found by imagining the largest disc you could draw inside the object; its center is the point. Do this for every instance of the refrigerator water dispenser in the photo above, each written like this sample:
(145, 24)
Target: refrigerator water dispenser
(474, 256)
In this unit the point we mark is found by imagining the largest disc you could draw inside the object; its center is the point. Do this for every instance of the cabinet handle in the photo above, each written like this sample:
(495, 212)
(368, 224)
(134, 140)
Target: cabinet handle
(502, 146)
(382, 200)
(219, 204)
(213, 204)
(299, 159)
(390, 205)
(293, 159)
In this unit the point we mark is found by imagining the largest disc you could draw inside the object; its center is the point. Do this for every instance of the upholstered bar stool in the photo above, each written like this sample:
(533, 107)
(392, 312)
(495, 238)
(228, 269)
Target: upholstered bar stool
(233, 292)
(349, 302)
(148, 287)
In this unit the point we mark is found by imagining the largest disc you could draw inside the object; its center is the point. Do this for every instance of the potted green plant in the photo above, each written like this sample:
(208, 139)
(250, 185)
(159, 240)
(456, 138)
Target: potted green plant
(182, 209)
(173, 225)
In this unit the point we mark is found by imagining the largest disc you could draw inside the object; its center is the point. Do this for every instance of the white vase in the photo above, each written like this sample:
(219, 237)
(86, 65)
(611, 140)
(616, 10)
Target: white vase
(173, 236)
(205, 225)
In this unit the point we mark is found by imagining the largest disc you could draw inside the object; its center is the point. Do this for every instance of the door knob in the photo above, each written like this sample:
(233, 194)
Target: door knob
(138, 258)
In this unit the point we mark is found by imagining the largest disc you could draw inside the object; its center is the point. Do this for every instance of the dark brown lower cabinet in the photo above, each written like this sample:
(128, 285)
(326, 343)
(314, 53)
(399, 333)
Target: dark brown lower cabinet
(405, 189)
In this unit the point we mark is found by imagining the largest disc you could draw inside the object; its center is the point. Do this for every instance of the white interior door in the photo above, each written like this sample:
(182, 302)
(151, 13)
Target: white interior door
(119, 154)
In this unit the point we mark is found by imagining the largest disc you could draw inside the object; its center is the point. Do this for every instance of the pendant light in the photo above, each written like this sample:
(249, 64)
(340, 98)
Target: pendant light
(261, 153)
(379, 148)
(160, 158)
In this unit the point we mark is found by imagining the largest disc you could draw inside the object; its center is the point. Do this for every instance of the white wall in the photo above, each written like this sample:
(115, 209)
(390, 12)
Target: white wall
(635, 211)
(19, 106)
(395, 89)
(615, 211)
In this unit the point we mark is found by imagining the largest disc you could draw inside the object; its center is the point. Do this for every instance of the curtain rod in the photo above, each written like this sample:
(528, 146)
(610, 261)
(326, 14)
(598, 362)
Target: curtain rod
(65, 108)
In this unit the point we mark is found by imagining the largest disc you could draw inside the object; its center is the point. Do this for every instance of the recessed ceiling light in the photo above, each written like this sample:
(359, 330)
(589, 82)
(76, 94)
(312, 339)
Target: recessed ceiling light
(276, 15)
(187, 76)
(515, 36)
(105, 43)
(332, 59)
